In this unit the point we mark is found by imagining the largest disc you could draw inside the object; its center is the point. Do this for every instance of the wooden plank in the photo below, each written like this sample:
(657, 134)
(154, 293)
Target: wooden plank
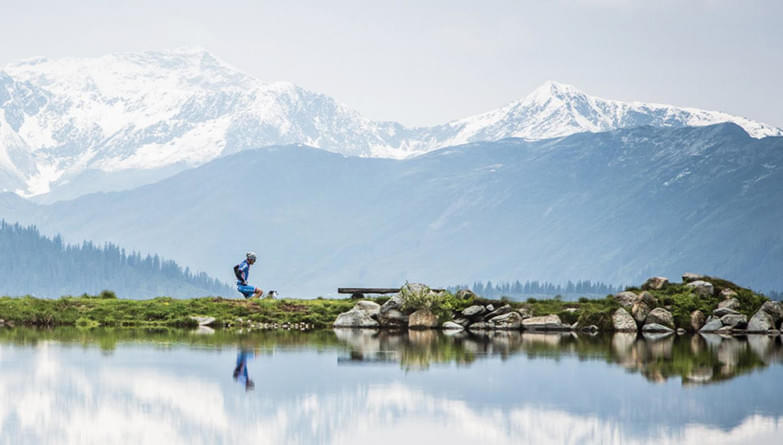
(372, 290)
(367, 290)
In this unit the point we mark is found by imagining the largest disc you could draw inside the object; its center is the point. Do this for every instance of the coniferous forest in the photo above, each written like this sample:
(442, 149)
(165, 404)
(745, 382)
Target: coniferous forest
(531, 289)
(33, 264)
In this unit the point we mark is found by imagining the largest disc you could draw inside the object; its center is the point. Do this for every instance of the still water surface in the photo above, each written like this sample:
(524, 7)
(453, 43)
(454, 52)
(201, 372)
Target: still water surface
(345, 386)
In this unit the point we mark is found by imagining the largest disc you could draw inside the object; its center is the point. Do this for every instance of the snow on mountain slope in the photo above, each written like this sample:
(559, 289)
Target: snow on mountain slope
(64, 121)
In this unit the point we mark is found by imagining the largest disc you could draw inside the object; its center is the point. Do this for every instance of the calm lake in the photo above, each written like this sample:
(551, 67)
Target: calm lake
(345, 386)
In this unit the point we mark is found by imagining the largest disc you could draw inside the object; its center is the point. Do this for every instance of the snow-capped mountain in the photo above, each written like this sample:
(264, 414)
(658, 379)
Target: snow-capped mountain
(75, 125)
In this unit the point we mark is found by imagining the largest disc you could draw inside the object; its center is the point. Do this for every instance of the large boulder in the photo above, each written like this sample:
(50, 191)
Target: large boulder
(688, 277)
(701, 288)
(202, 321)
(728, 293)
(656, 327)
(639, 312)
(773, 308)
(712, 325)
(393, 319)
(506, 308)
(545, 323)
(697, 320)
(721, 311)
(390, 315)
(462, 321)
(660, 316)
(738, 321)
(422, 319)
(451, 326)
(648, 299)
(362, 315)
(761, 321)
(395, 302)
(623, 321)
(510, 320)
(465, 294)
(474, 312)
(524, 312)
(655, 283)
(480, 326)
(730, 303)
(626, 299)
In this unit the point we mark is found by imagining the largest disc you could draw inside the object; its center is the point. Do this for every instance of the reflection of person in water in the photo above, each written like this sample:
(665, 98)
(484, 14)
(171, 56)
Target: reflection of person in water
(240, 372)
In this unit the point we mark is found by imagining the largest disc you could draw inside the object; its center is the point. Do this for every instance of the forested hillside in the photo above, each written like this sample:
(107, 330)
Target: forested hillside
(31, 264)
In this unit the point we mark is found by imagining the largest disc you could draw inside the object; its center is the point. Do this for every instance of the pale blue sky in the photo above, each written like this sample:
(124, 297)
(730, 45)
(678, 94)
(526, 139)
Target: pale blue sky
(423, 62)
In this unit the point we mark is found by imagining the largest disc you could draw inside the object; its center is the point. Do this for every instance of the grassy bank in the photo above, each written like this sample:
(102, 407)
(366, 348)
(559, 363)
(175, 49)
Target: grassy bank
(106, 310)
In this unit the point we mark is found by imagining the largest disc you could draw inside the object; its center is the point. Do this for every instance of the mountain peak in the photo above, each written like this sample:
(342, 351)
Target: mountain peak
(553, 89)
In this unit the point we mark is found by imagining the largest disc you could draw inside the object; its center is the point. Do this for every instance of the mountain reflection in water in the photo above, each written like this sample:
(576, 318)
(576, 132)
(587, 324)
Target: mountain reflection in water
(123, 386)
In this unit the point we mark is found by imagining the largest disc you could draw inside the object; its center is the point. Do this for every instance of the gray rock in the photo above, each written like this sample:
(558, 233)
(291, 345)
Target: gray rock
(729, 303)
(524, 312)
(697, 320)
(450, 325)
(202, 321)
(688, 277)
(395, 302)
(660, 316)
(728, 293)
(480, 326)
(545, 323)
(474, 311)
(461, 321)
(681, 331)
(465, 294)
(701, 288)
(656, 327)
(655, 283)
(712, 325)
(623, 321)
(738, 321)
(639, 312)
(725, 330)
(392, 318)
(371, 307)
(648, 299)
(591, 328)
(422, 319)
(721, 311)
(362, 315)
(761, 321)
(626, 299)
(773, 308)
(506, 308)
(489, 308)
(510, 320)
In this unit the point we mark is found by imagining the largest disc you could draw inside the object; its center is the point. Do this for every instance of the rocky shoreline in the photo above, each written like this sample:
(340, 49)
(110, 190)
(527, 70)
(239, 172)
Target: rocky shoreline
(649, 309)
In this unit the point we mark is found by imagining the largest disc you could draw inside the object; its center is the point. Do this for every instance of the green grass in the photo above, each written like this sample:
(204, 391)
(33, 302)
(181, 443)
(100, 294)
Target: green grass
(89, 311)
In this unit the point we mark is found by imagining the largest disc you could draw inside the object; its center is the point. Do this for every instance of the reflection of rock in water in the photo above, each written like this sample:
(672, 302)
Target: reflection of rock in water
(698, 359)
(729, 352)
(543, 338)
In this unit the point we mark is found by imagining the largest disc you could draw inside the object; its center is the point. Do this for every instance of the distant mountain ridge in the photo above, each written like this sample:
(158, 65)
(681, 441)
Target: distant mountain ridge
(78, 125)
(616, 206)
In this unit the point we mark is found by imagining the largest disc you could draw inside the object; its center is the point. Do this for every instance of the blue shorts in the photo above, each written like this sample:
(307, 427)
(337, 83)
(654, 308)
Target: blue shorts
(247, 291)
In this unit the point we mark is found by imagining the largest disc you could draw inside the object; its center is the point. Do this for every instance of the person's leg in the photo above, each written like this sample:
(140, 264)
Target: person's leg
(258, 293)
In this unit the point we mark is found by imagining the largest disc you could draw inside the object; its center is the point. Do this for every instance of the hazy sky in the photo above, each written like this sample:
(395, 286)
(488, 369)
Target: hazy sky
(422, 62)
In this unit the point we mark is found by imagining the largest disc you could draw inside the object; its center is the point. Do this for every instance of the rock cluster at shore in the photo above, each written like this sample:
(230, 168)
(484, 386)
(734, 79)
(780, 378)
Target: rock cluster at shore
(650, 309)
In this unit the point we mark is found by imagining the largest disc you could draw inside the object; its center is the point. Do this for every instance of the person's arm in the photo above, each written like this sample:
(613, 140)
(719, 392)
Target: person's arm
(240, 275)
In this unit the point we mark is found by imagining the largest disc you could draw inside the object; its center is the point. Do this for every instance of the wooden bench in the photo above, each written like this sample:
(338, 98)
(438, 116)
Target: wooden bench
(358, 292)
